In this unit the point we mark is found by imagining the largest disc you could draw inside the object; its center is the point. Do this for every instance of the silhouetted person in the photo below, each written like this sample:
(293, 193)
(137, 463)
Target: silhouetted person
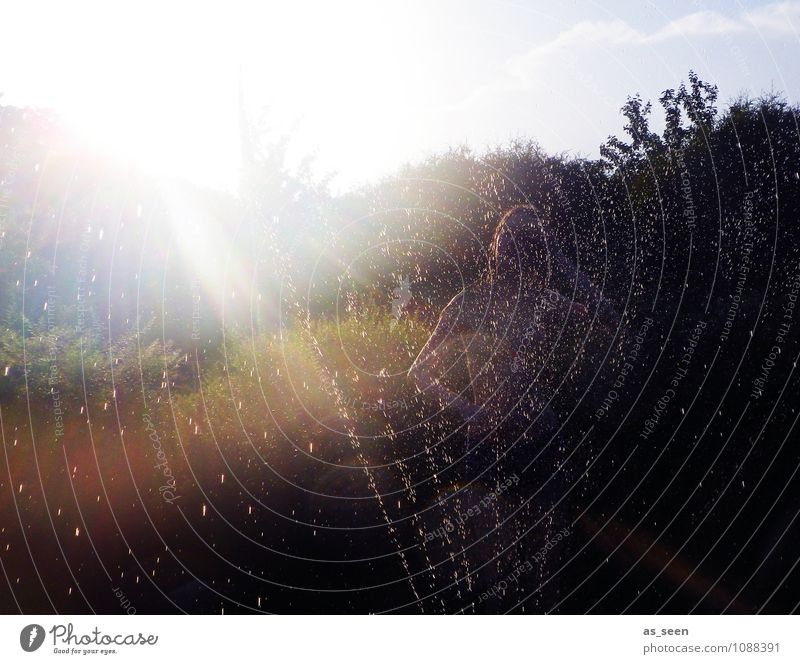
(503, 350)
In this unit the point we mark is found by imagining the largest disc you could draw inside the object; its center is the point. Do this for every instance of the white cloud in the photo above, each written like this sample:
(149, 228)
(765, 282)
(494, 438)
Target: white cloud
(518, 71)
(778, 17)
(600, 33)
(703, 23)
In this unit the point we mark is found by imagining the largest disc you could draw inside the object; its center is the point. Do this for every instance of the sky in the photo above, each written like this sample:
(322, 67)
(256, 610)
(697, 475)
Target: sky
(365, 87)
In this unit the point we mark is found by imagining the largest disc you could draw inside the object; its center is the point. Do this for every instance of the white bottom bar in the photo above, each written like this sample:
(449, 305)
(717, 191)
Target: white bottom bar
(402, 639)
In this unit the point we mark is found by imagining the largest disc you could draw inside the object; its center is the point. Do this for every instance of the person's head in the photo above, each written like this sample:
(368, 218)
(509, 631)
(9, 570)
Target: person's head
(519, 245)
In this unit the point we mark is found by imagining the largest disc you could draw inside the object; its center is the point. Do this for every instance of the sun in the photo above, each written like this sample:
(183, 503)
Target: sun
(354, 84)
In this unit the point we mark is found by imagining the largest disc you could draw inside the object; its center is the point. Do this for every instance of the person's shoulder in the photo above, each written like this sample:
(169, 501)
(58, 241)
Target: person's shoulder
(459, 309)
(470, 295)
(452, 311)
(458, 299)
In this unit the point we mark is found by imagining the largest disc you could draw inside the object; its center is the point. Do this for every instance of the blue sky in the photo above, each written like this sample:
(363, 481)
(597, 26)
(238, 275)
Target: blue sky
(366, 86)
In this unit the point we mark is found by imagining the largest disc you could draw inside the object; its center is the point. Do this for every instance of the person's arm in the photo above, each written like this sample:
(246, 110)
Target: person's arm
(429, 366)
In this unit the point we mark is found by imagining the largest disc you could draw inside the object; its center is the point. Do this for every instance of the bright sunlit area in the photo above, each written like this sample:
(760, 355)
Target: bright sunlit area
(165, 84)
(366, 86)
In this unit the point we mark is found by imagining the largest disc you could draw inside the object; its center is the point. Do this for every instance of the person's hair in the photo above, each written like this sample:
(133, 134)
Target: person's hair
(516, 212)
